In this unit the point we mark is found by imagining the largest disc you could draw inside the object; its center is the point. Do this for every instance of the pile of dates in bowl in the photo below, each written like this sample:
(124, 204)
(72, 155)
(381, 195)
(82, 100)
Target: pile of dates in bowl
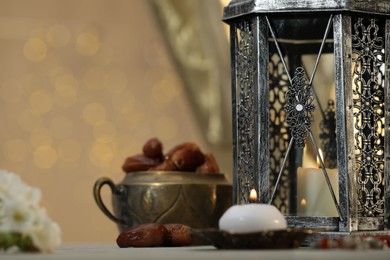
(181, 186)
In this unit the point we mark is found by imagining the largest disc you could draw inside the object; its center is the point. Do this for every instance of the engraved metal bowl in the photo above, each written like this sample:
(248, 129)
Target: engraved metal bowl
(193, 199)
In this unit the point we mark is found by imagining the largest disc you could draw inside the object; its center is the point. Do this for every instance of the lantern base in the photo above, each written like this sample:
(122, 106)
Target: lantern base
(309, 241)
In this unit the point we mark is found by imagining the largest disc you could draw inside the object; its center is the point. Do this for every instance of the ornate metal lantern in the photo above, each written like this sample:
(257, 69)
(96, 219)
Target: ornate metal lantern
(312, 75)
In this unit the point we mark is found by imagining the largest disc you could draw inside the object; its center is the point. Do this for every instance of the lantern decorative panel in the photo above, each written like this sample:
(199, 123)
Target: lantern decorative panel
(311, 110)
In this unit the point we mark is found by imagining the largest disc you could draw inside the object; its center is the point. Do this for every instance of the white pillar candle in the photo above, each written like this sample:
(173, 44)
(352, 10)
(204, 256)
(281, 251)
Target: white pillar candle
(313, 194)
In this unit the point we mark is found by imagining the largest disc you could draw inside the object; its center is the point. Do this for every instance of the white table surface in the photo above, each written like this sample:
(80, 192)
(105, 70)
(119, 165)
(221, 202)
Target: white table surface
(112, 251)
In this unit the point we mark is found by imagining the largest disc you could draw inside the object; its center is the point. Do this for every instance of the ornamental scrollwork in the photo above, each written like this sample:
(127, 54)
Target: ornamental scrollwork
(299, 107)
(368, 105)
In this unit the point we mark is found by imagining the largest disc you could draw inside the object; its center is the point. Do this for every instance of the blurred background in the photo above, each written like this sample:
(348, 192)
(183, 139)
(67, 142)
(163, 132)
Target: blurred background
(84, 84)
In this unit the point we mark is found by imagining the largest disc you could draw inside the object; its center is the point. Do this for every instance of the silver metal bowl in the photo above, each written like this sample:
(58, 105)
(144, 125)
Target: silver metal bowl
(189, 198)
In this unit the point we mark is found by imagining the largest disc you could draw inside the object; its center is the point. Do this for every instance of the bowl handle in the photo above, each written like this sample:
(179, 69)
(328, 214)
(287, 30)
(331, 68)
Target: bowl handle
(97, 195)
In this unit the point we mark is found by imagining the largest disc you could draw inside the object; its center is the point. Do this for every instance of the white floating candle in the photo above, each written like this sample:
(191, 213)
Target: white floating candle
(252, 218)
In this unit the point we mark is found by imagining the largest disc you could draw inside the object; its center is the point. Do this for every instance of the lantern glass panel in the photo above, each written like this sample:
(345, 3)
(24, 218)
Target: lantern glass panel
(296, 111)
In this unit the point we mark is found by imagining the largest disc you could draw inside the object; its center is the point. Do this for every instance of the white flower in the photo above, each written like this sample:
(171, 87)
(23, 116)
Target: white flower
(20, 213)
(46, 235)
(17, 216)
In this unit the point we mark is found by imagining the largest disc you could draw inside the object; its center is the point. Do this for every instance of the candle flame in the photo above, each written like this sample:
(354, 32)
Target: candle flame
(318, 159)
(253, 195)
(303, 202)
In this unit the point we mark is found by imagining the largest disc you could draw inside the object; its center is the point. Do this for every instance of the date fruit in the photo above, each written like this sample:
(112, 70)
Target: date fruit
(178, 235)
(209, 166)
(187, 158)
(139, 163)
(153, 149)
(166, 165)
(152, 234)
(144, 235)
(183, 157)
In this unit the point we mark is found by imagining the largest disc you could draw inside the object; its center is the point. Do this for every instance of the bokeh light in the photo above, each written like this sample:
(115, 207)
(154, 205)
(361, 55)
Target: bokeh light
(164, 91)
(45, 156)
(87, 44)
(41, 102)
(104, 132)
(134, 112)
(66, 85)
(120, 100)
(35, 49)
(101, 154)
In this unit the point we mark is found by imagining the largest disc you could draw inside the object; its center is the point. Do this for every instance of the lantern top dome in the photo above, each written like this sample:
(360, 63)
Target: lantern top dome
(238, 8)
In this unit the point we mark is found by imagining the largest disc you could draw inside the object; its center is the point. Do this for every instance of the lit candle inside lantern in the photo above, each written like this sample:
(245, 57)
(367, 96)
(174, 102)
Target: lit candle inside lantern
(313, 194)
(253, 196)
(252, 217)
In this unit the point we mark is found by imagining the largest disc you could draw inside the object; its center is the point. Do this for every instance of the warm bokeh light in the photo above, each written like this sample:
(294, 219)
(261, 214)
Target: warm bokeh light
(101, 154)
(120, 100)
(104, 132)
(35, 50)
(67, 85)
(164, 91)
(64, 101)
(41, 102)
(87, 44)
(45, 156)
(133, 112)
(303, 202)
